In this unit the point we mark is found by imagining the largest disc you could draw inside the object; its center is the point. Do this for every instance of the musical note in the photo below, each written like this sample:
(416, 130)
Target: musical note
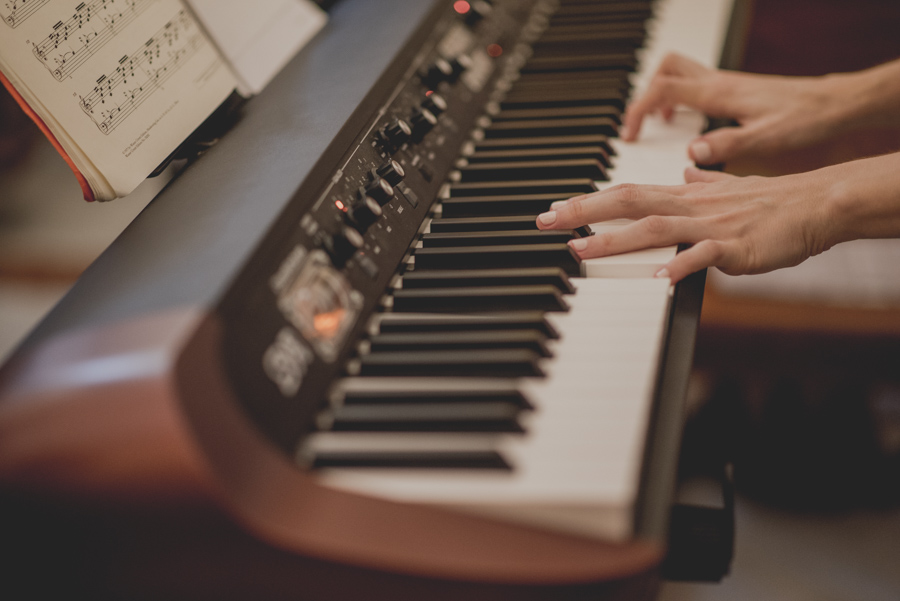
(14, 12)
(117, 94)
(75, 40)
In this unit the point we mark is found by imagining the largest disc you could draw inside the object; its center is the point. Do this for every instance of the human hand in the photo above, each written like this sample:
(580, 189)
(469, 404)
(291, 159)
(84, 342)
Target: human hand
(741, 225)
(775, 114)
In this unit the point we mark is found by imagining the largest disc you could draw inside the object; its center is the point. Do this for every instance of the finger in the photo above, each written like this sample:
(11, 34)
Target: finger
(627, 201)
(704, 254)
(663, 93)
(676, 81)
(651, 232)
(718, 146)
(694, 175)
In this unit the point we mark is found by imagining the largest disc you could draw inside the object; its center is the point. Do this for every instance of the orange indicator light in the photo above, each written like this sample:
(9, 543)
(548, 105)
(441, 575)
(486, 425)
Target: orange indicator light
(494, 50)
(461, 6)
(340, 205)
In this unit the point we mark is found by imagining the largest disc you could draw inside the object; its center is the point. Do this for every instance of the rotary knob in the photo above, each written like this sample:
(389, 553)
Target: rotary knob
(391, 171)
(397, 133)
(435, 103)
(380, 190)
(440, 70)
(364, 213)
(343, 245)
(423, 122)
(478, 10)
(460, 64)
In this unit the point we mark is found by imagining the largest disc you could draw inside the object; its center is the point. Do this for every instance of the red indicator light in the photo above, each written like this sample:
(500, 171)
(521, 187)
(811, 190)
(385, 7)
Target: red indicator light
(429, 92)
(494, 50)
(461, 6)
(340, 205)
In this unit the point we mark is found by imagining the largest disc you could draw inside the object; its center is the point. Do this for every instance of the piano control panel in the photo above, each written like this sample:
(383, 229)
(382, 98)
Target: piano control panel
(297, 310)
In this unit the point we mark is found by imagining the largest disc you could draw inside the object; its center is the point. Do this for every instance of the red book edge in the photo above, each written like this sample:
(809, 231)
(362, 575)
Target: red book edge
(85, 187)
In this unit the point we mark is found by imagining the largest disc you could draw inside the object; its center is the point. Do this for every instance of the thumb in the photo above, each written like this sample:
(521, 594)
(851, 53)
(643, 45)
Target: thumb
(693, 174)
(717, 146)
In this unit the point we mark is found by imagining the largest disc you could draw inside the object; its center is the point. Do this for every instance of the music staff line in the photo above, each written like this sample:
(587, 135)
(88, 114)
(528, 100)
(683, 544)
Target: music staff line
(62, 57)
(17, 11)
(141, 63)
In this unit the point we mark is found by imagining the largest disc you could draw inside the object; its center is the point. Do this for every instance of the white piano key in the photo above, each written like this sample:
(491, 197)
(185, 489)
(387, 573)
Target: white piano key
(581, 454)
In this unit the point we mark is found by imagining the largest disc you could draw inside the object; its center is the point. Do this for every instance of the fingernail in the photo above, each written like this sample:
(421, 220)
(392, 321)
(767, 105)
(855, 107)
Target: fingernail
(701, 151)
(662, 273)
(625, 132)
(579, 244)
(558, 204)
(548, 218)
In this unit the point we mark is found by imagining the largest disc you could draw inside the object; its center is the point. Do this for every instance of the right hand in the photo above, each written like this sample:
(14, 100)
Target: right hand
(775, 113)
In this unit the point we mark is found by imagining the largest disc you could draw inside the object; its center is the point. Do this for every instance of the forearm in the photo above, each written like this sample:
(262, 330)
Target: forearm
(864, 198)
(872, 97)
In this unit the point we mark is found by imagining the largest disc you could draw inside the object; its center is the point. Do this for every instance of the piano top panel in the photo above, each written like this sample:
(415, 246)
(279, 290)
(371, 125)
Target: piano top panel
(184, 248)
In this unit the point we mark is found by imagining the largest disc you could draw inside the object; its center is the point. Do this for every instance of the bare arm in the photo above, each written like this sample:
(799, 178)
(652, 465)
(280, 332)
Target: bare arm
(774, 113)
(741, 224)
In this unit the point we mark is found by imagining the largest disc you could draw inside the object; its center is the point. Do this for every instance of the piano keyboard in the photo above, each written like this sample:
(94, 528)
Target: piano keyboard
(505, 377)
(388, 366)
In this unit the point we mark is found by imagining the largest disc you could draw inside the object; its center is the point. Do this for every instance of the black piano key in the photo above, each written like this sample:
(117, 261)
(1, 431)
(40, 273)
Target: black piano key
(492, 224)
(477, 299)
(525, 128)
(600, 110)
(528, 276)
(493, 206)
(411, 460)
(436, 239)
(540, 154)
(368, 396)
(509, 363)
(565, 187)
(455, 341)
(546, 142)
(540, 64)
(534, 170)
(493, 257)
(616, 80)
(576, 42)
(522, 320)
(549, 96)
(434, 417)
(637, 8)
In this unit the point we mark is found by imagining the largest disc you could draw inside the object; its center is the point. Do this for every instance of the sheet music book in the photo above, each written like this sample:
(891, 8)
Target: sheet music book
(118, 85)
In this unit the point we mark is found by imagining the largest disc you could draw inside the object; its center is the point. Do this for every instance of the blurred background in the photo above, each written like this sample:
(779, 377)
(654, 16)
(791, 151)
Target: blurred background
(797, 378)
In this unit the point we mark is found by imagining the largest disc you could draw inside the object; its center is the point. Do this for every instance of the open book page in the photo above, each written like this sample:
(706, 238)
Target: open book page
(258, 38)
(120, 83)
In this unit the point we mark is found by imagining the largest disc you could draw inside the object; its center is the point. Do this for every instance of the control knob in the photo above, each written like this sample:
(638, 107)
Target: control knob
(343, 245)
(380, 190)
(435, 103)
(459, 64)
(396, 133)
(423, 121)
(440, 70)
(391, 171)
(364, 212)
(478, 10)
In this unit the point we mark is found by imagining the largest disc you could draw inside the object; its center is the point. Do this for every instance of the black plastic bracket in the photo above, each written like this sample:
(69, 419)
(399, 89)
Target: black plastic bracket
(701, 539)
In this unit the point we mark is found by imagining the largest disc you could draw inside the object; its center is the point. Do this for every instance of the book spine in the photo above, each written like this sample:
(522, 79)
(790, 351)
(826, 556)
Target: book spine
(82, 181)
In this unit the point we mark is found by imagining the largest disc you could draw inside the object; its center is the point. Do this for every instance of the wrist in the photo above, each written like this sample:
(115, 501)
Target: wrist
(872, 97)
(862, 199)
